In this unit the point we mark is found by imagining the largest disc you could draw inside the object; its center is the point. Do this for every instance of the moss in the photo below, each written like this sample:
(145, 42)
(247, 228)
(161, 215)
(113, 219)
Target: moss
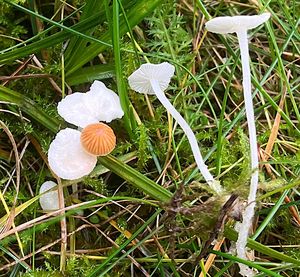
(237, 149)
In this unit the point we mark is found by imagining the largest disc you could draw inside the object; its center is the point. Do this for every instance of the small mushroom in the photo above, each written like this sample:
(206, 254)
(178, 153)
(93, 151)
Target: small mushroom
(98, 104)
(154, 79)
(240, 25)
(67, 158)
(98, 139)
(49, 200)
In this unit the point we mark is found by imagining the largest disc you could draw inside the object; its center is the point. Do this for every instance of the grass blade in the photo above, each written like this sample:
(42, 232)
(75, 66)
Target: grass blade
(232, 235)
(136, 178)
(77, 45)
(130, 123)
(246, 262)
(135, 15)
(29, 107)
(91, 73)
(115, 253)
(51, 40)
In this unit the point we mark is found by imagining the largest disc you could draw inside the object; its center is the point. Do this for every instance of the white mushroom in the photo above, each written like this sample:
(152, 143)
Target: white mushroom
(68, 153)
(98, 104)
(103, 103)
(49, 200)
(154, 79)
(240, 25)
(73, 110)
(235, 24)
(67, 158)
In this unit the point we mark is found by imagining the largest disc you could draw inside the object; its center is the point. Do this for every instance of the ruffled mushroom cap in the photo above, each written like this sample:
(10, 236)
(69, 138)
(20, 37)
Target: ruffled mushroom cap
(49, 201)
(234, 24)
(98, 139)
(67, 158)
(103, 103)
(139, 80)
(98, 104)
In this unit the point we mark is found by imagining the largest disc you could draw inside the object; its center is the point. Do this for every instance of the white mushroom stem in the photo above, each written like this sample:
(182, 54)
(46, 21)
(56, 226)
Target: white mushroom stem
(249, 211)
(214, 184)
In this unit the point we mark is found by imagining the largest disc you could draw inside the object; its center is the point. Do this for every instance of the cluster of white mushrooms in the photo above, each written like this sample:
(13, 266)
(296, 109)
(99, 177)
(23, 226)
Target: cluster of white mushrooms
(73, 153)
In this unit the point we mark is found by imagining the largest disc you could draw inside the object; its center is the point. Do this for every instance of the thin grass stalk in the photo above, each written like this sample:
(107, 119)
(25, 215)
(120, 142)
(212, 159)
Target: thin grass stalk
(247, 263)
(77, 45)
(233, 235)
(270, 216)
(135, 15)
(125, 103)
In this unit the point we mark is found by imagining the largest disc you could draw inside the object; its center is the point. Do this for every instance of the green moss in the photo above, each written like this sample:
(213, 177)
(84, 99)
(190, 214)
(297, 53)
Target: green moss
(143, 146)
(12, 27)
(237, 149)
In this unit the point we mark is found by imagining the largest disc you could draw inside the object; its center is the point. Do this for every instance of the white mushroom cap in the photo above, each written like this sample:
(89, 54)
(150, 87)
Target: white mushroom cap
(139, 80)
(49, 201)
(103, 103)
(67, 158)
(234, 24)
(98, 104)
(73, 110)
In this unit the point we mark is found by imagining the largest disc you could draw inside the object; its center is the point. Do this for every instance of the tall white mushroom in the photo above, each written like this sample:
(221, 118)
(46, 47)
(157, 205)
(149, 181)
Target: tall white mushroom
(154, 79)
(240, 25)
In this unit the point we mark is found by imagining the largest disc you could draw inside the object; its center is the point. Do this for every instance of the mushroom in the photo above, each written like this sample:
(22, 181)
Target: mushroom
(240, 25)
(73, 153)
(67, 158)
(98, 104)
(98, 139)
(49, 200)
(154, 79)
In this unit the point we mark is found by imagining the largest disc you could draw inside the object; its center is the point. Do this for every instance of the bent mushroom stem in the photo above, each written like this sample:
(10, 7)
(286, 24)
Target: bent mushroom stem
(214, 184)
(249, 211)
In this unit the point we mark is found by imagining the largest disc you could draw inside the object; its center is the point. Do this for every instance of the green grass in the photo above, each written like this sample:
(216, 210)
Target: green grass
(129, 224)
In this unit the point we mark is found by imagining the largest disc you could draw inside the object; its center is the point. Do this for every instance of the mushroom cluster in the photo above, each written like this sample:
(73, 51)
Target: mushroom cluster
(73, 153)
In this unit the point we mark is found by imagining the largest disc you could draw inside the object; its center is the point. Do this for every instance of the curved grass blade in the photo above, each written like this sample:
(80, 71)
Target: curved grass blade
(232, 235)
(91, 73)
(29, 107)
(248, 263)
(76, 45)
(89, 38)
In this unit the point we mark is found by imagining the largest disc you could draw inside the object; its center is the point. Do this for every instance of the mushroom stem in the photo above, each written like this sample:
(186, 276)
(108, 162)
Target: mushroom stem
(249, 211)
(214, 184)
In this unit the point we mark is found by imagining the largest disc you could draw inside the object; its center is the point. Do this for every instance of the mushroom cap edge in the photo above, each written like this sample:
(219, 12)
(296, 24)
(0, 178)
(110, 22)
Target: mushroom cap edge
(139, 80)
(233, 24)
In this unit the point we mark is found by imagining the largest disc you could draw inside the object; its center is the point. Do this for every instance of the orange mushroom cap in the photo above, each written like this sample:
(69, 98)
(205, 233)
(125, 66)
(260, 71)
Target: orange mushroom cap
(98, 139)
